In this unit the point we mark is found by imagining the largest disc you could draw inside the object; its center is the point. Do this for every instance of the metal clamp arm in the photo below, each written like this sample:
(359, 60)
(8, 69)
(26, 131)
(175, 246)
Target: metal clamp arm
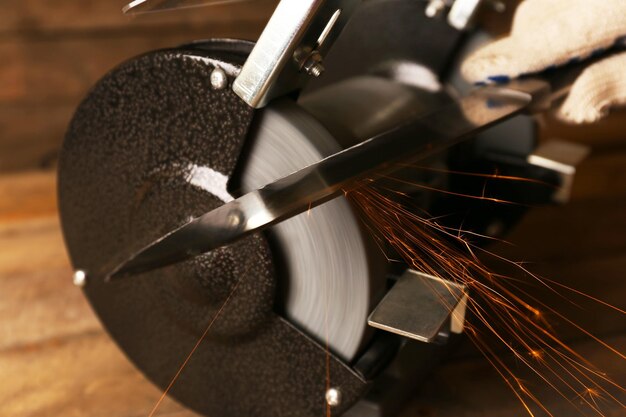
(291, 47)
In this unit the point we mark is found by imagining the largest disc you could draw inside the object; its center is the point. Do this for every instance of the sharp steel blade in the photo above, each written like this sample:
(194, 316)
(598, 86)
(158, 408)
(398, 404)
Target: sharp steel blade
(327, 179)
(152, 6)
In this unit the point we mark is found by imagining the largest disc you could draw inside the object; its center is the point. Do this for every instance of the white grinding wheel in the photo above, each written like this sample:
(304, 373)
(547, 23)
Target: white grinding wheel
(332, 272)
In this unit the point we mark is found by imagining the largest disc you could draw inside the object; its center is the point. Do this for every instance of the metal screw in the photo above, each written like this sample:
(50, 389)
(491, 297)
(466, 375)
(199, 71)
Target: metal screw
(316, 70)
(498, 6)
(219, 80)
(435, 8)
(79, 278)
(313, 64)
(234, 218)
(333, 397)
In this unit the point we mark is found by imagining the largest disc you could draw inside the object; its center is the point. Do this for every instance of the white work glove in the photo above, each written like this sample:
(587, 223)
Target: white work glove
(552, 33)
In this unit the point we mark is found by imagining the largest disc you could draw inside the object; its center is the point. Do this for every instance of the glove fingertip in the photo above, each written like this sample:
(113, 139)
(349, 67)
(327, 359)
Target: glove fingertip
(580, 115)
(483, 68)
(599, 88)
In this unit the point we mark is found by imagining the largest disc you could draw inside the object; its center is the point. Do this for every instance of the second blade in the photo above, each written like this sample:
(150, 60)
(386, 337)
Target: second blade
(152, 6)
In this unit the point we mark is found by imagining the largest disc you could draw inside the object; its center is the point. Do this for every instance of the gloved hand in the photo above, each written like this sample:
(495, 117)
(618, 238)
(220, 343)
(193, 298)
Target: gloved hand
(549, 33)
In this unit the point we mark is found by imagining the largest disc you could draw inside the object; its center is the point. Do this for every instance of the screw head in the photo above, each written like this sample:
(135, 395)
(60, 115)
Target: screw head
(234, 218)
(333, 397)
(79, 278)
(435, 8)
(219, 80)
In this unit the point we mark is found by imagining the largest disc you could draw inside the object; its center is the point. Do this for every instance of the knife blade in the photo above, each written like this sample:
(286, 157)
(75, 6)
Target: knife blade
(296, 193)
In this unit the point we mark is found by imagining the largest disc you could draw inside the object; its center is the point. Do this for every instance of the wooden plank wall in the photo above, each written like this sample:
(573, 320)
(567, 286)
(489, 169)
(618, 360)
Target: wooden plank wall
(53, 51)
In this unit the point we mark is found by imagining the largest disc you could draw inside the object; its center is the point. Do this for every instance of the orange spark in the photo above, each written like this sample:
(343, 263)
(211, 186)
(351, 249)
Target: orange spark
(512, 317)
(193, 350)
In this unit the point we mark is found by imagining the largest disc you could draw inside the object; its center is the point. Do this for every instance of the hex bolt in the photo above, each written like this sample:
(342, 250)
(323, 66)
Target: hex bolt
(333, 397)
(316, 70)
(313, 64)
(219, 80)
(79, 278)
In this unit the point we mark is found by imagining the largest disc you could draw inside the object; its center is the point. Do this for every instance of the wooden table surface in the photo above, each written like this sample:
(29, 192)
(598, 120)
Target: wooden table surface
(56, 360)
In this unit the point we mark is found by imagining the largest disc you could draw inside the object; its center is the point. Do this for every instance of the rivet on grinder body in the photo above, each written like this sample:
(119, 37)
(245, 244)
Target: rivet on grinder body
(219, 80)
(333, 397)
(79, 278)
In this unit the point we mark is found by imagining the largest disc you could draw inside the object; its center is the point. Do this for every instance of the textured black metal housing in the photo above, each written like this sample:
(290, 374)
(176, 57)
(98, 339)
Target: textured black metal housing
(126, 177)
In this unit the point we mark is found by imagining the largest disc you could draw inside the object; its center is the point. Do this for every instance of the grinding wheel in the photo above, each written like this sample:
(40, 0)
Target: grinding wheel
(155, 144)
(333, 271)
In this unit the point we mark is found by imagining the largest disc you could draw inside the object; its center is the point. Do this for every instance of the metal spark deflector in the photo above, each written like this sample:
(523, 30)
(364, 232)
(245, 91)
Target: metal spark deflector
(422, 307)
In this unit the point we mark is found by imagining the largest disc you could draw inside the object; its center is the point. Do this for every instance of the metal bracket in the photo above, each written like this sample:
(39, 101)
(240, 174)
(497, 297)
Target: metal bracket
(422, 307)
(462, 13)
(562, 158)
(291, 48)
